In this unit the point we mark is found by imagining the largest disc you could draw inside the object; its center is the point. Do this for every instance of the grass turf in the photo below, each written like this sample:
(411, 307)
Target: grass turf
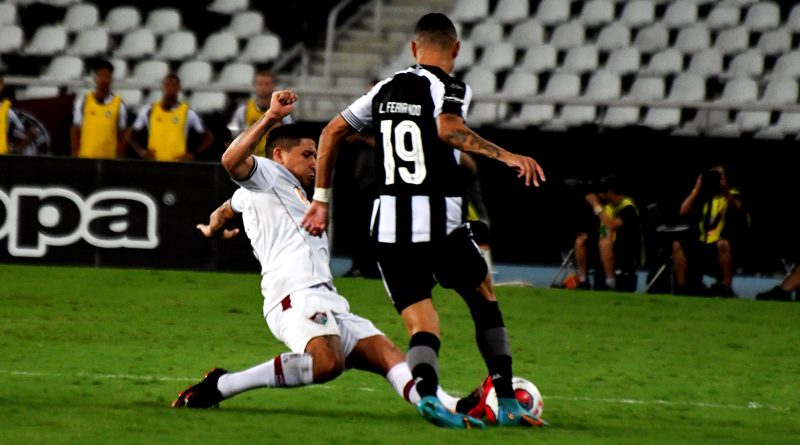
(96, 355)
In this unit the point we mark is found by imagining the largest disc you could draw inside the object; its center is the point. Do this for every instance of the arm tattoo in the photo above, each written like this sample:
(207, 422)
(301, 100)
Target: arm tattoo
(467, 140)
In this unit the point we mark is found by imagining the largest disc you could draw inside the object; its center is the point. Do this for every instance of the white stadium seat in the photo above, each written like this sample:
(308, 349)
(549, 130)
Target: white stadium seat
(763, 16)
(788, 124)
(733, 40)
(739, 91)
(680, 13)
(122, 19)
(219, 47)
(481, 80)
(137, 44)
(465, 59)
(486, 33)
(177, 46)
(163, 21)
(614, 36)
(261, 48)
(602, 86)
(8, 14)
(120, 68)
(229, 6)
(624, 61)
(638, 13)
(568, 35)
(597, 13)
(470, 11)
(778, 92)
(208, 101)
(527, 34)
(511, 11)
(581, 59)
(36, 92)
(706, 63)
(10, 39)
(723, 16)
(150, 72)
(132, 98)
(788, 65)
(644, 89)
(194, 72)
(47, 41)
(81, 17)
(90, 42)
(521, 83)
(60, 3)
(498, 56)
(775, 42)
(746, 64)
(64, 68)
(247, 24)
(793, 21)
(239, 74)
(693, 39)
(686, 88)
(539, 58)
(652, 38)
(669, 61)
(553, 12)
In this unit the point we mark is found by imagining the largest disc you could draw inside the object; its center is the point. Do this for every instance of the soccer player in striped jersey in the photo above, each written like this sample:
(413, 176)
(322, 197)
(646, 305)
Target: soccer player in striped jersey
(417, 117)
(301, 306)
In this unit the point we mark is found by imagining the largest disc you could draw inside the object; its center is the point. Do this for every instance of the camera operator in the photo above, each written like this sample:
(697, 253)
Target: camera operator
(716, 215)
(619, 238)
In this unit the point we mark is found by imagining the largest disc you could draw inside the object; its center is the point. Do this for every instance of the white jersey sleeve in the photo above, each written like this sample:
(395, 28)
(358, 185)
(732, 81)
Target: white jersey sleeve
(262, 176)
(238, 200)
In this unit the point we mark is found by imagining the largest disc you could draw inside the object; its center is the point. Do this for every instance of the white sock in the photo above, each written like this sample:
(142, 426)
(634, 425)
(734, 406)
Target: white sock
(285, 370)
(403, 383)
(611, 282)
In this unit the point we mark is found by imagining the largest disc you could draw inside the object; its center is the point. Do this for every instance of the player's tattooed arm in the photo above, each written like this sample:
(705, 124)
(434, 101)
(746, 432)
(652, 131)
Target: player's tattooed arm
(466, 140)
(217, 221)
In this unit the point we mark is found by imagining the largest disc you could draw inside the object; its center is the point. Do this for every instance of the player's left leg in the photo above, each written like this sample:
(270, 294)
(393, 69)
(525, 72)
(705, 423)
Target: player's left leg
(606, 248)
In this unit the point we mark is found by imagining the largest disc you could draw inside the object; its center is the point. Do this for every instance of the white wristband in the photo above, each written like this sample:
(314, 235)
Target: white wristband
(322, 195)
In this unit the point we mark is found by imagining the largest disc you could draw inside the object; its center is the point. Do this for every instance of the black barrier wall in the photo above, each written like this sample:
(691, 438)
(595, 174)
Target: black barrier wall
(143, 214)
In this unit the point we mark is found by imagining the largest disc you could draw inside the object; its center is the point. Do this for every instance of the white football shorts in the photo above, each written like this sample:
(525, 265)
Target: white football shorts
(315, 312)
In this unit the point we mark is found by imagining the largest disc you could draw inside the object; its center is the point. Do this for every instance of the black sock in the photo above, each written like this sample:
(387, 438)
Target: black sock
(500, 370)
(422, 358)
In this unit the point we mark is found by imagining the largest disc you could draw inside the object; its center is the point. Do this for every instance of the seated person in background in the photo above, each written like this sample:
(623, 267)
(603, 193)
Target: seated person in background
(248, 113)
(716, 216)
(783, 292)
(167, 123)
(619, 238)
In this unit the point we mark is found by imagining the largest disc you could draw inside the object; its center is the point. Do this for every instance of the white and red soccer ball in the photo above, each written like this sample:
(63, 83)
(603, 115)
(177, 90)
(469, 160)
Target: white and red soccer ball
(526, 393)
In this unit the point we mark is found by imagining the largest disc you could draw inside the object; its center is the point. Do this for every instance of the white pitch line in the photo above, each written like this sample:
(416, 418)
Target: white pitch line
(750, 405)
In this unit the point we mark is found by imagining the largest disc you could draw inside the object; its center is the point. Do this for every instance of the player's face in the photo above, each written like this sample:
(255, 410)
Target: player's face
(102, 79)
(170, 88)
(301, 160)
(264, 86)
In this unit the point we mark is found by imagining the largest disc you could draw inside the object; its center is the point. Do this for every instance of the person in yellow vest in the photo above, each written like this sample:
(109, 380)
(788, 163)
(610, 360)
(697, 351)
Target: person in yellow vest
(716, 210)
(99, 119)
(12, 131)
(619, 238)
(167, 123)
(247, 114)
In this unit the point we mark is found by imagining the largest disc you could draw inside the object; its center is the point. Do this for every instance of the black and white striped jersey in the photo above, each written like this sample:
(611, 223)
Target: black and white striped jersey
(421, 197)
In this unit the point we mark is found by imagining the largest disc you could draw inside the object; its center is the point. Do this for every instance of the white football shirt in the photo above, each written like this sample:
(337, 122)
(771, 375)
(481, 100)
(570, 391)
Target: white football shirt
(272, 203)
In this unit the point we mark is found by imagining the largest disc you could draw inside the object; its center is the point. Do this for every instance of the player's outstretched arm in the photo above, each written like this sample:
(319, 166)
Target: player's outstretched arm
(452, 130)
(217, 221)
(316, 218)
(236, 159)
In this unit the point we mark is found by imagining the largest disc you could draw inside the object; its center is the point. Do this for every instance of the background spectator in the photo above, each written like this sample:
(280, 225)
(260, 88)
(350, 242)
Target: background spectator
(99, 119)
(246, 114)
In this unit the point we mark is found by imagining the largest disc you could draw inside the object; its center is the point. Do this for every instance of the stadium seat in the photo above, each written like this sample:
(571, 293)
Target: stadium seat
(733, 40)
(122, 19)
(204, 102)
(602, 86)
(553, 12)
(228, 6)
(10, 39)
(568, 35)
(614, 36)
(498, 56)
(236, 74)
(638, 13)
(539, 58)
(219, 47)
(36, 92)
(132, 98)
(680, 13)
(687, 87)
(465, 59)
(669, 61)
(8, 14)
(194, 72)
(486, 33)
(60, 3)
(693, 39)
(581, 59)
(597, 13)
(81, 17)
(261, 48)
(47, 41)
(150, 72)
(527, 34)
(624, 61)
(788, 65)
(788, 123)
(520, 83)
(763, 16)
(775, 42)
(483, 81)
(470, 11)
(793, 21)
(247, 24)
(644, 89)
(560, 86)
(177, 46)
(137, 44)
(163, 21)
(64, 68)
(89, 43)
(706, 63)
(723, 16)
(746, 64)
(736, 92)
(652, 38)
(511, 11)
(120, 69)
(778, 92)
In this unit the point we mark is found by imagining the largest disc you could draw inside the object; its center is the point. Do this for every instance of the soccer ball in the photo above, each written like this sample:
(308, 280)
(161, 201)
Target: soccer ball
(526, 393)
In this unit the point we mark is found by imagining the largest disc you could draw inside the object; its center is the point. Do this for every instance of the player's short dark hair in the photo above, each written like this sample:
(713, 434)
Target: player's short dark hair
(610, 183)
(436, 28)
(286, 136)
(102, 64)
(173, 76)
(265, 73)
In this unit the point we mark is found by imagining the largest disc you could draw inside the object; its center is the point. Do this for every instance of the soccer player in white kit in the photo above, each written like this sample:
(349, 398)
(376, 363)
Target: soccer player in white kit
(301, 305)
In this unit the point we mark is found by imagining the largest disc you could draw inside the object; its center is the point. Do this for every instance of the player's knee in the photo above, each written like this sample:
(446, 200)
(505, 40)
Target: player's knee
(723, 246)
(327, 366)
(677, 249)
(580, 241)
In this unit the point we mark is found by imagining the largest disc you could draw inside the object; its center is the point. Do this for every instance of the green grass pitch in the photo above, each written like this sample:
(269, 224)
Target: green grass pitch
(95, 356)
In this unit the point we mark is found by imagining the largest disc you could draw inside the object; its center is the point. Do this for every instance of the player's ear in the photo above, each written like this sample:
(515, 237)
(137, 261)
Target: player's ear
(456, 48)
(277, 154)
(414, 49)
